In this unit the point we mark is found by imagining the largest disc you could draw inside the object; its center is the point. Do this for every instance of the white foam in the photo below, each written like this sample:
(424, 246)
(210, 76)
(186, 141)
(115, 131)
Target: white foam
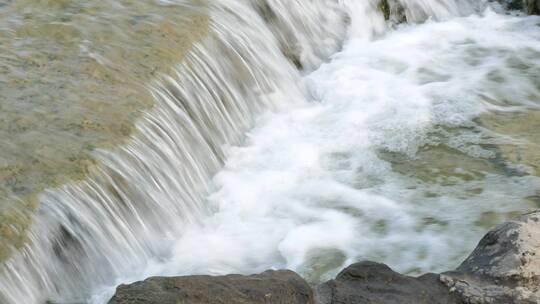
(311, 189)
(310, 176)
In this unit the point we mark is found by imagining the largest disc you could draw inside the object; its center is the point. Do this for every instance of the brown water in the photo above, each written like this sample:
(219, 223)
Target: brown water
(73, 77)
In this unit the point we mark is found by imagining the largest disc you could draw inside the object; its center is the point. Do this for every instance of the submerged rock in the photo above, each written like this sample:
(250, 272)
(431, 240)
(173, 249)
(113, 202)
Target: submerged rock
(281, 286)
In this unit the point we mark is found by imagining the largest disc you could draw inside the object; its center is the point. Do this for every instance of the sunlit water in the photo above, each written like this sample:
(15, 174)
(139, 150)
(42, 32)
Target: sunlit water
(404, 148)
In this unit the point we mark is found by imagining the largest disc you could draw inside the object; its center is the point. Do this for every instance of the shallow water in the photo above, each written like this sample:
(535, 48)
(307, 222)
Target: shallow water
(404, 147)
(73, 79)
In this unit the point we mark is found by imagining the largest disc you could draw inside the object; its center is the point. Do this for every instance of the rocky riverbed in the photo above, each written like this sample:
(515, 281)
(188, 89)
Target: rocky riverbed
(504, 268)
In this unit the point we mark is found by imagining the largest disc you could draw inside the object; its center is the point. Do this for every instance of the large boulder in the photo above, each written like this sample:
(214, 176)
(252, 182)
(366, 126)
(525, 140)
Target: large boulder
(370, 282)
(504, 267)
(280, 287)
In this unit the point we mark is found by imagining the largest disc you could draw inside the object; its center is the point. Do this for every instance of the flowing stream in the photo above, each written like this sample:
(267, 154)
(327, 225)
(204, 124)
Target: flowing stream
(367, 139)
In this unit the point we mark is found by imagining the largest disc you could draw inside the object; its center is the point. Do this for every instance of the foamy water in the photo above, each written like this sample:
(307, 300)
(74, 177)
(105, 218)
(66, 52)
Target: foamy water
(387, 160)
(153, 185)
(404, 147)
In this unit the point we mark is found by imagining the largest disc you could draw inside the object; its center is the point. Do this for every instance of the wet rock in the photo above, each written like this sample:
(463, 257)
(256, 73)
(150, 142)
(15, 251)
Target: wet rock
(370, 282)
(281, 286)
(532, 7)
(393, 11)
(504, 267)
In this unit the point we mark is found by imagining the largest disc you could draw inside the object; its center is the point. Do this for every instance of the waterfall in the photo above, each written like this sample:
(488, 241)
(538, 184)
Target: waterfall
(88, 233)
(150, 190)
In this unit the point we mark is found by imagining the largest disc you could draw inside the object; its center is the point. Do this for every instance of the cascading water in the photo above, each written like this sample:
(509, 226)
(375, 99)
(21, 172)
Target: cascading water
(381, 153)
(90, 233)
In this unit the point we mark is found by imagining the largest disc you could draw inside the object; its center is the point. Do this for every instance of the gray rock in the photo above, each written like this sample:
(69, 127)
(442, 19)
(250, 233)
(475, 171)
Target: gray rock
(370, 282)
(281, 287)
(504, 267)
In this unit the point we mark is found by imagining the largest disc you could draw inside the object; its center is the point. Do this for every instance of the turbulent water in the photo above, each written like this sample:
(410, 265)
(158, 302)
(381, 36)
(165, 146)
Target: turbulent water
(368, 139)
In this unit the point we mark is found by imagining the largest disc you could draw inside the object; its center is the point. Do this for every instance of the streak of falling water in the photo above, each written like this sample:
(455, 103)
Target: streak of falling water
(89, 233)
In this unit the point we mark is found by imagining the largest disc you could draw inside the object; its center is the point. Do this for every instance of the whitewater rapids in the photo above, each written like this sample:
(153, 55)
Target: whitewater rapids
(386, 146)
